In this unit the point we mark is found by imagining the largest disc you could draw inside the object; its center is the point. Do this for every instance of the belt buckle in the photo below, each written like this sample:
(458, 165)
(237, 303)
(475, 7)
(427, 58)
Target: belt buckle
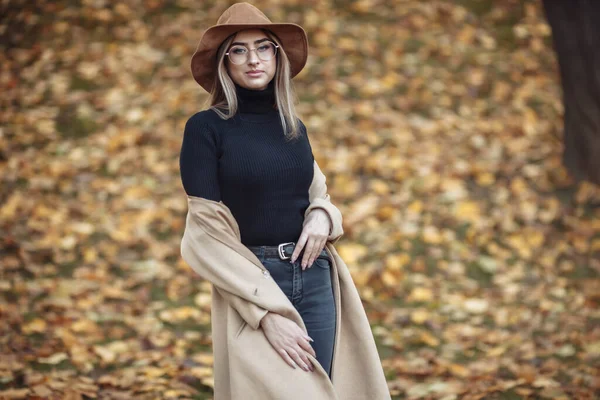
(280, 251)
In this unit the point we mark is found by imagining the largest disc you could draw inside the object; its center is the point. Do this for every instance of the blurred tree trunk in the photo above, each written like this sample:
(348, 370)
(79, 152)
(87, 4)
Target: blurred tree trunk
(576, 35)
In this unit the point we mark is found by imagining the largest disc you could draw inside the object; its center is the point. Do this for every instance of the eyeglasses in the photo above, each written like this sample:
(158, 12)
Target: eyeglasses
(239, 54)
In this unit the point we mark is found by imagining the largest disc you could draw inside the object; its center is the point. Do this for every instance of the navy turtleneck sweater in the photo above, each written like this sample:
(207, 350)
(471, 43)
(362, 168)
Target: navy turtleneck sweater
(247, 163)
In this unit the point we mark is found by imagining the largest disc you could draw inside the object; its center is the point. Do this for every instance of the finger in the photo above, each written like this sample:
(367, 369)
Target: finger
(323, 245)
(308, 252)
(318, 250)
(306, 346)
(287, 358)
(315, 252)
(296, 357)
(299, 246)
(302, 353)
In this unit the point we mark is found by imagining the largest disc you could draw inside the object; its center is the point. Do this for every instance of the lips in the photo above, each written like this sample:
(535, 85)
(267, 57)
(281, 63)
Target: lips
(254, 73)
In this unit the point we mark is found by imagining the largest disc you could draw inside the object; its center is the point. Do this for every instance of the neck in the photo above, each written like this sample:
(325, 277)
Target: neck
(256, 101)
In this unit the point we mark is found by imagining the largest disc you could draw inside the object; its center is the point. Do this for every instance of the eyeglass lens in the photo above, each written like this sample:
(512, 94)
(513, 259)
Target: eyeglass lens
(239, 54)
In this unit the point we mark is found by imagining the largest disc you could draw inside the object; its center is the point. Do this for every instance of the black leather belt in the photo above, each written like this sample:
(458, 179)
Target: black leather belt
(284, 251)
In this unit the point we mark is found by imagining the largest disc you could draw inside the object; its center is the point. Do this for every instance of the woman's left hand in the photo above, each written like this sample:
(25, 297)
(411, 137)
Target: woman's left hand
(314, 237)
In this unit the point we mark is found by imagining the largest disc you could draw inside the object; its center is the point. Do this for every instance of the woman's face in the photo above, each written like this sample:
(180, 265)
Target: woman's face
(264, 71)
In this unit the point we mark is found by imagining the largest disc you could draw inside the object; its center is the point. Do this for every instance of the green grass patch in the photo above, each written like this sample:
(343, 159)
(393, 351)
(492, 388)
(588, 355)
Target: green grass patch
(467, 356)
(507, 395)
(79, 83)
(203, 396)
(162, 233)
(42, 367)
(582, 271)
(477, 7)
(70, 125)
(475, 272)
(159, 293)
(384, 350)
(412, 45)
(187, 325)
(65, 270)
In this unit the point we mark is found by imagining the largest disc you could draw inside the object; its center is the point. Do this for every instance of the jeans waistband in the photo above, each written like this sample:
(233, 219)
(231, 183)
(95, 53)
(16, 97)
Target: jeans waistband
(282, 251)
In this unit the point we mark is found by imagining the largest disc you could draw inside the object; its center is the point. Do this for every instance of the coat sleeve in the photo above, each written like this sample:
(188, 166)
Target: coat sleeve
(319, 198)
(250, 312)
(214, 260)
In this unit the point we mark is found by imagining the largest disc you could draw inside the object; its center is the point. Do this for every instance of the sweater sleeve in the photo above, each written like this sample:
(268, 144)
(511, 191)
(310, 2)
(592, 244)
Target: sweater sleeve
(199, 161)
(319, 198)
(322, 200)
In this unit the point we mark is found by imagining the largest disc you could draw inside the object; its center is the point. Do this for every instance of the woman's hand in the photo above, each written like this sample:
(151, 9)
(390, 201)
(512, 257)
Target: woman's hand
(314, 235)
(288, 339)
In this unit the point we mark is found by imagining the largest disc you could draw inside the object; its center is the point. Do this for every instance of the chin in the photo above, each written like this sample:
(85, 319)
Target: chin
(257, 84)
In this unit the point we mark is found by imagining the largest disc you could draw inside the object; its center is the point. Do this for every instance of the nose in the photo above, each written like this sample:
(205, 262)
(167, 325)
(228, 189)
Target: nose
(252, 57)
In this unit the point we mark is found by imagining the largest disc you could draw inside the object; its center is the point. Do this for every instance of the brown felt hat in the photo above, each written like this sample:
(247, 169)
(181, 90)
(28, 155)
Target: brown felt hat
(236, 18)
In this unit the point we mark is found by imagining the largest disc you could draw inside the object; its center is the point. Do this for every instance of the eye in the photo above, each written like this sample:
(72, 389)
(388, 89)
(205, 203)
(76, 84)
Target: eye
(264, 47)
(238, 50)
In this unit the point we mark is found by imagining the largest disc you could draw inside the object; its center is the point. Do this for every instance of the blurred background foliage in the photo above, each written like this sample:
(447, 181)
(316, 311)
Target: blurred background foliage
(438, 125)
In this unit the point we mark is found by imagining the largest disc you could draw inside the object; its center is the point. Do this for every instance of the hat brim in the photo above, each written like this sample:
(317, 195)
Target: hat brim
(204, 60)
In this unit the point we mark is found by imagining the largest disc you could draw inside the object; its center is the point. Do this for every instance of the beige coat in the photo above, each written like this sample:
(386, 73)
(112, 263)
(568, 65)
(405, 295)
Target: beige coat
(246, 366)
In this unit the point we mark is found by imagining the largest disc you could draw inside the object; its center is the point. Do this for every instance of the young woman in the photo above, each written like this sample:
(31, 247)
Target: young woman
(250, 152)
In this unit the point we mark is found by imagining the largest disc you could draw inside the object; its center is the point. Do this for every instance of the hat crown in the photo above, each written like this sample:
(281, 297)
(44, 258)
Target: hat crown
(242, 13)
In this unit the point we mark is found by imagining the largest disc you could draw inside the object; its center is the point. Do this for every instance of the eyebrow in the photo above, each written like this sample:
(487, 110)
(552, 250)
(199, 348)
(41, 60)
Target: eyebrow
(255, 42)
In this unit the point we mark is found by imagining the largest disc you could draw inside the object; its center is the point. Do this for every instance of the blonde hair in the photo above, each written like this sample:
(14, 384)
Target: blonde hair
(223, 98)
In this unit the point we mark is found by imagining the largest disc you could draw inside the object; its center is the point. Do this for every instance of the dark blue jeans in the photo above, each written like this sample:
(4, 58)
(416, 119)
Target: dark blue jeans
(310, 291)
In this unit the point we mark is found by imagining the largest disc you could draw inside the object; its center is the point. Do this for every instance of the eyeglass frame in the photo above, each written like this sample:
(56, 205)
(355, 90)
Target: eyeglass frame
(249, 50)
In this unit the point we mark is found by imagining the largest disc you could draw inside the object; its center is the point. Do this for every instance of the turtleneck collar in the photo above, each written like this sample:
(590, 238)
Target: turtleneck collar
(256, 101)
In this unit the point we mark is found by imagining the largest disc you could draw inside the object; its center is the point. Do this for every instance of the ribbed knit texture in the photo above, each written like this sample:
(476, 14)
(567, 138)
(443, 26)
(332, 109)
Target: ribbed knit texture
(247, 163)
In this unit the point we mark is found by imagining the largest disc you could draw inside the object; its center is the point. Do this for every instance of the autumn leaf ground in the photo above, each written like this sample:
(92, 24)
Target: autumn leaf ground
(438, 125)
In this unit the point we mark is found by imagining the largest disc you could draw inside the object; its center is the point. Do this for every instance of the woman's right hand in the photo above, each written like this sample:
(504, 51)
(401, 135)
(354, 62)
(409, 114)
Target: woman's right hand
(288, 339)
